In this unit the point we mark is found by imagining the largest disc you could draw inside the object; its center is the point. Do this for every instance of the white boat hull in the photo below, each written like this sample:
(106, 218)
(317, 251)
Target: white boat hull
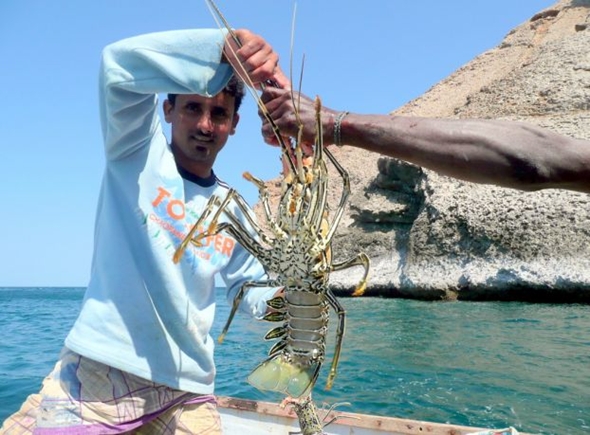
(245, 417)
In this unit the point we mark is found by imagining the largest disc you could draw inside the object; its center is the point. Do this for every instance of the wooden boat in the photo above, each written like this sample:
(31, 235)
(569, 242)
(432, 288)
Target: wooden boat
(251, 417)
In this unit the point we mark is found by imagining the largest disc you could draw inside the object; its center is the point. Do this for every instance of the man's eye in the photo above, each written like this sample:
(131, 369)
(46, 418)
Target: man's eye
(219, 114)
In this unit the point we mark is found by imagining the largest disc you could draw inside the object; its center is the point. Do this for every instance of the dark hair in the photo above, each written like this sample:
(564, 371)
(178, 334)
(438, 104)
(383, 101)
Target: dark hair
(234, 88)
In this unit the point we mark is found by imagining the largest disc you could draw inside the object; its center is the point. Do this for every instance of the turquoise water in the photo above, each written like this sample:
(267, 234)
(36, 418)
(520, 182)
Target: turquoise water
(480, 364)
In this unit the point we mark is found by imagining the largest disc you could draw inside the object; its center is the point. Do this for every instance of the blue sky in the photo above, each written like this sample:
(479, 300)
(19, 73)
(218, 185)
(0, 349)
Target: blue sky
(369, 57)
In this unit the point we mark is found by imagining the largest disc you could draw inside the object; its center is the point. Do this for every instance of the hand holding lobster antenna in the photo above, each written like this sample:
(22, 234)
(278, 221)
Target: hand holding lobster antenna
(243, 49)
(254, 60)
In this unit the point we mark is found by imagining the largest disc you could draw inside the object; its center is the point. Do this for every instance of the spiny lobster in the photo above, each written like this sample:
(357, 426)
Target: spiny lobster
(296, 254)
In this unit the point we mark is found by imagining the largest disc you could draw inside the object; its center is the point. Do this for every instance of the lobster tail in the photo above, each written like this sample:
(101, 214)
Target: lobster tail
(283, 376)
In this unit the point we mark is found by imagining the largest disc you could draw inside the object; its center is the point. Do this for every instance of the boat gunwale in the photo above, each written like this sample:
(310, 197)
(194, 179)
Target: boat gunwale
(392, 425)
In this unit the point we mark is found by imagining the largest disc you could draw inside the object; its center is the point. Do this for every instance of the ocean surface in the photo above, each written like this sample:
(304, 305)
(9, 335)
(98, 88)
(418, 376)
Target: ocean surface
(480, 364)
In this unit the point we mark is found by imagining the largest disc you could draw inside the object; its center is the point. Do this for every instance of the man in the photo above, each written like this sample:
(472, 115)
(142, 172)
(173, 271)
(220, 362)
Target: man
(509, 154)
(139, 357)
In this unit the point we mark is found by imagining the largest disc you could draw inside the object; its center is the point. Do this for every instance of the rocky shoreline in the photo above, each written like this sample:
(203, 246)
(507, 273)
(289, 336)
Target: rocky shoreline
(435, 238)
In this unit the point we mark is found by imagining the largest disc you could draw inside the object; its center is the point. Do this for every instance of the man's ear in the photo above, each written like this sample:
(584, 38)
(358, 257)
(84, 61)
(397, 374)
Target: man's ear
(234, 123)
(167, 107)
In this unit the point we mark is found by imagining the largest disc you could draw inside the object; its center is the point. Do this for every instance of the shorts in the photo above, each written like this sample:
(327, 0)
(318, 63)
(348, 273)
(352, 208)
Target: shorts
(82, 396)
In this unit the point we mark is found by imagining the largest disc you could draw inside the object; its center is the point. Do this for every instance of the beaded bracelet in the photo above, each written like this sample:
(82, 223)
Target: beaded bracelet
(337, 128)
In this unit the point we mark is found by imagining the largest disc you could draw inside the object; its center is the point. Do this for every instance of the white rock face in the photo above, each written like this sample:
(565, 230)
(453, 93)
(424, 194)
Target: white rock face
(433, 237)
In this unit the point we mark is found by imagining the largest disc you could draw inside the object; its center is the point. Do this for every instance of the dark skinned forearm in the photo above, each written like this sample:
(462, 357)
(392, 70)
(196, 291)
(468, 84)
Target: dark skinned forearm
(505, 153)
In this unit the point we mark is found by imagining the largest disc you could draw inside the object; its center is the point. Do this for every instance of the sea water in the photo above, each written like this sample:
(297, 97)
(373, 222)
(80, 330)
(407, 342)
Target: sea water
(478, 364)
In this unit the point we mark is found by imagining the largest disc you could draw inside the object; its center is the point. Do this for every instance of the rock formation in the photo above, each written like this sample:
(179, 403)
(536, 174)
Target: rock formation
(433, 237)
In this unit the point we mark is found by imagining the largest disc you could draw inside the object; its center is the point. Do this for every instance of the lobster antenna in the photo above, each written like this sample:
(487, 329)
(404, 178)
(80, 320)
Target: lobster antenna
(297, 104)
(218, 15)
(300, 87)
(223, 23)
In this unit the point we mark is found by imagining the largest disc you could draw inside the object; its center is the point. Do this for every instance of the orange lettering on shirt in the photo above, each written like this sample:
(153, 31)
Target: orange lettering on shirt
(218, 242)
(163, 194)
(228, 246)
(172, 213)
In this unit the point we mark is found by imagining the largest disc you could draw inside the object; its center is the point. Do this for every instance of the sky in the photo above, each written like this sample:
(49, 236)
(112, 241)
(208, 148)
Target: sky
(368, 56)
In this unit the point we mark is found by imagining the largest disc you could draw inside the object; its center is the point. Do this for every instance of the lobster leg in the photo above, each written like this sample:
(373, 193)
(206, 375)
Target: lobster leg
(264, 198)
(190, 236)
(341, 312)
(238, 299)
(231, 194)
(360, 260)
(343, 198)
(235, 227)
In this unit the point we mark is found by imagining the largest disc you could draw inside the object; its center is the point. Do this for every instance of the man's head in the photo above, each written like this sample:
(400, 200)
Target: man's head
(235, 88)
(200, 126)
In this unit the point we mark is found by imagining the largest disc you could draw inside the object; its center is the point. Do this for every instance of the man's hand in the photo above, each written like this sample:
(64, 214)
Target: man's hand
(282, 107)
(253, 59)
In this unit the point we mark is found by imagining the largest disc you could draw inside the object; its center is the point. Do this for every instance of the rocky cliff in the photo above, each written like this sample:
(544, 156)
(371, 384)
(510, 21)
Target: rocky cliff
(432, 237)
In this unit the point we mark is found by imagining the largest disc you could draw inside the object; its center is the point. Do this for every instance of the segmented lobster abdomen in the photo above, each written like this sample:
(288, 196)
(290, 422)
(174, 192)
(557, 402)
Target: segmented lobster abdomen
(295, 361)
(307, 324)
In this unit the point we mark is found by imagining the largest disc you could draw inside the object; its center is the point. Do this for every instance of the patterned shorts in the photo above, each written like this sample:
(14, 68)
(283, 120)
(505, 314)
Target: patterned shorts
(82, 396)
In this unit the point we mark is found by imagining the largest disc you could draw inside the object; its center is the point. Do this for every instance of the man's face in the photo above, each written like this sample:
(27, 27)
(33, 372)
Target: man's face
(200, 127)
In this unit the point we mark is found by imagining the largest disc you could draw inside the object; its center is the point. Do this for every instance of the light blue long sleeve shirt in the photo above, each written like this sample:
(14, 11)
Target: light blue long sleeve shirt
(142, 313)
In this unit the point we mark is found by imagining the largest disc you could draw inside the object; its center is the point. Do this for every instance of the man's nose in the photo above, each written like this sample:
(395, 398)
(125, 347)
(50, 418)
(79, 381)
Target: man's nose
(204, 123)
